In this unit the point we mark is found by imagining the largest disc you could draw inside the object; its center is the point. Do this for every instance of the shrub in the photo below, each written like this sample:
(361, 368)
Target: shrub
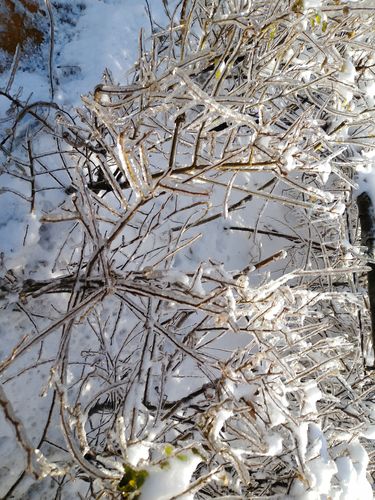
(158, 322)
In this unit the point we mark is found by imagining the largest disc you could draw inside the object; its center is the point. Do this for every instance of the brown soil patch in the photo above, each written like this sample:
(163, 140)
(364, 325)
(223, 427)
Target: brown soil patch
(17, 25)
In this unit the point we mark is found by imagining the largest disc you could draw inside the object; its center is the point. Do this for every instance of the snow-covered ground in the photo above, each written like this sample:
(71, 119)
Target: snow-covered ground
(89, 36)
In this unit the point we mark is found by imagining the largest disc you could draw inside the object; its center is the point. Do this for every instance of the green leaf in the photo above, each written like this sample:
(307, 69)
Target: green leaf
(182, 458)
(220, 70)
(131, 481)
(164, 464)
(297, 7)
(196, 452)
(273, 29)
(168, 450)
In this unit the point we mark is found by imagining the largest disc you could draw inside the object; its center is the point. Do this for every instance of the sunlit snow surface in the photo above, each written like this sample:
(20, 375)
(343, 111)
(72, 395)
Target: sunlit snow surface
(105, 34)
(366, 174)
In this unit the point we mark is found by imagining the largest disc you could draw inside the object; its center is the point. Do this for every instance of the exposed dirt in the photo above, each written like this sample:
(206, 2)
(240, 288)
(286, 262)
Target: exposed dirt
(18, 20)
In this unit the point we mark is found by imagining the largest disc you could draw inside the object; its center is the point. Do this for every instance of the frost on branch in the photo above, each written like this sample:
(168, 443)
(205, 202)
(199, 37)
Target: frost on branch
(197, 284)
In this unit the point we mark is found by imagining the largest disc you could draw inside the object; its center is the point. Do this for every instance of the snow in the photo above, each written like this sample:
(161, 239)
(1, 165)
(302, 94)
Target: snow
(103, 38)
(347, 75)
(343, 477)
(348, 72)
(104, 34)
(366, 174)
(172, 478)
(275, 444)
(352, 473)
(312, 4)
(312, 394)
(137, 452)
(220, 418)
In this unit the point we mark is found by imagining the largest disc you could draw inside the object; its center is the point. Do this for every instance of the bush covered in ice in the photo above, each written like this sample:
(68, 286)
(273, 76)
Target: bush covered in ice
(187, 293)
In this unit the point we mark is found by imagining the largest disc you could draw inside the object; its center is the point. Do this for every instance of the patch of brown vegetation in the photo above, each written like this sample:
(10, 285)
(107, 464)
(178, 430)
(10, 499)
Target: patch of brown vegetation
(17, 26)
